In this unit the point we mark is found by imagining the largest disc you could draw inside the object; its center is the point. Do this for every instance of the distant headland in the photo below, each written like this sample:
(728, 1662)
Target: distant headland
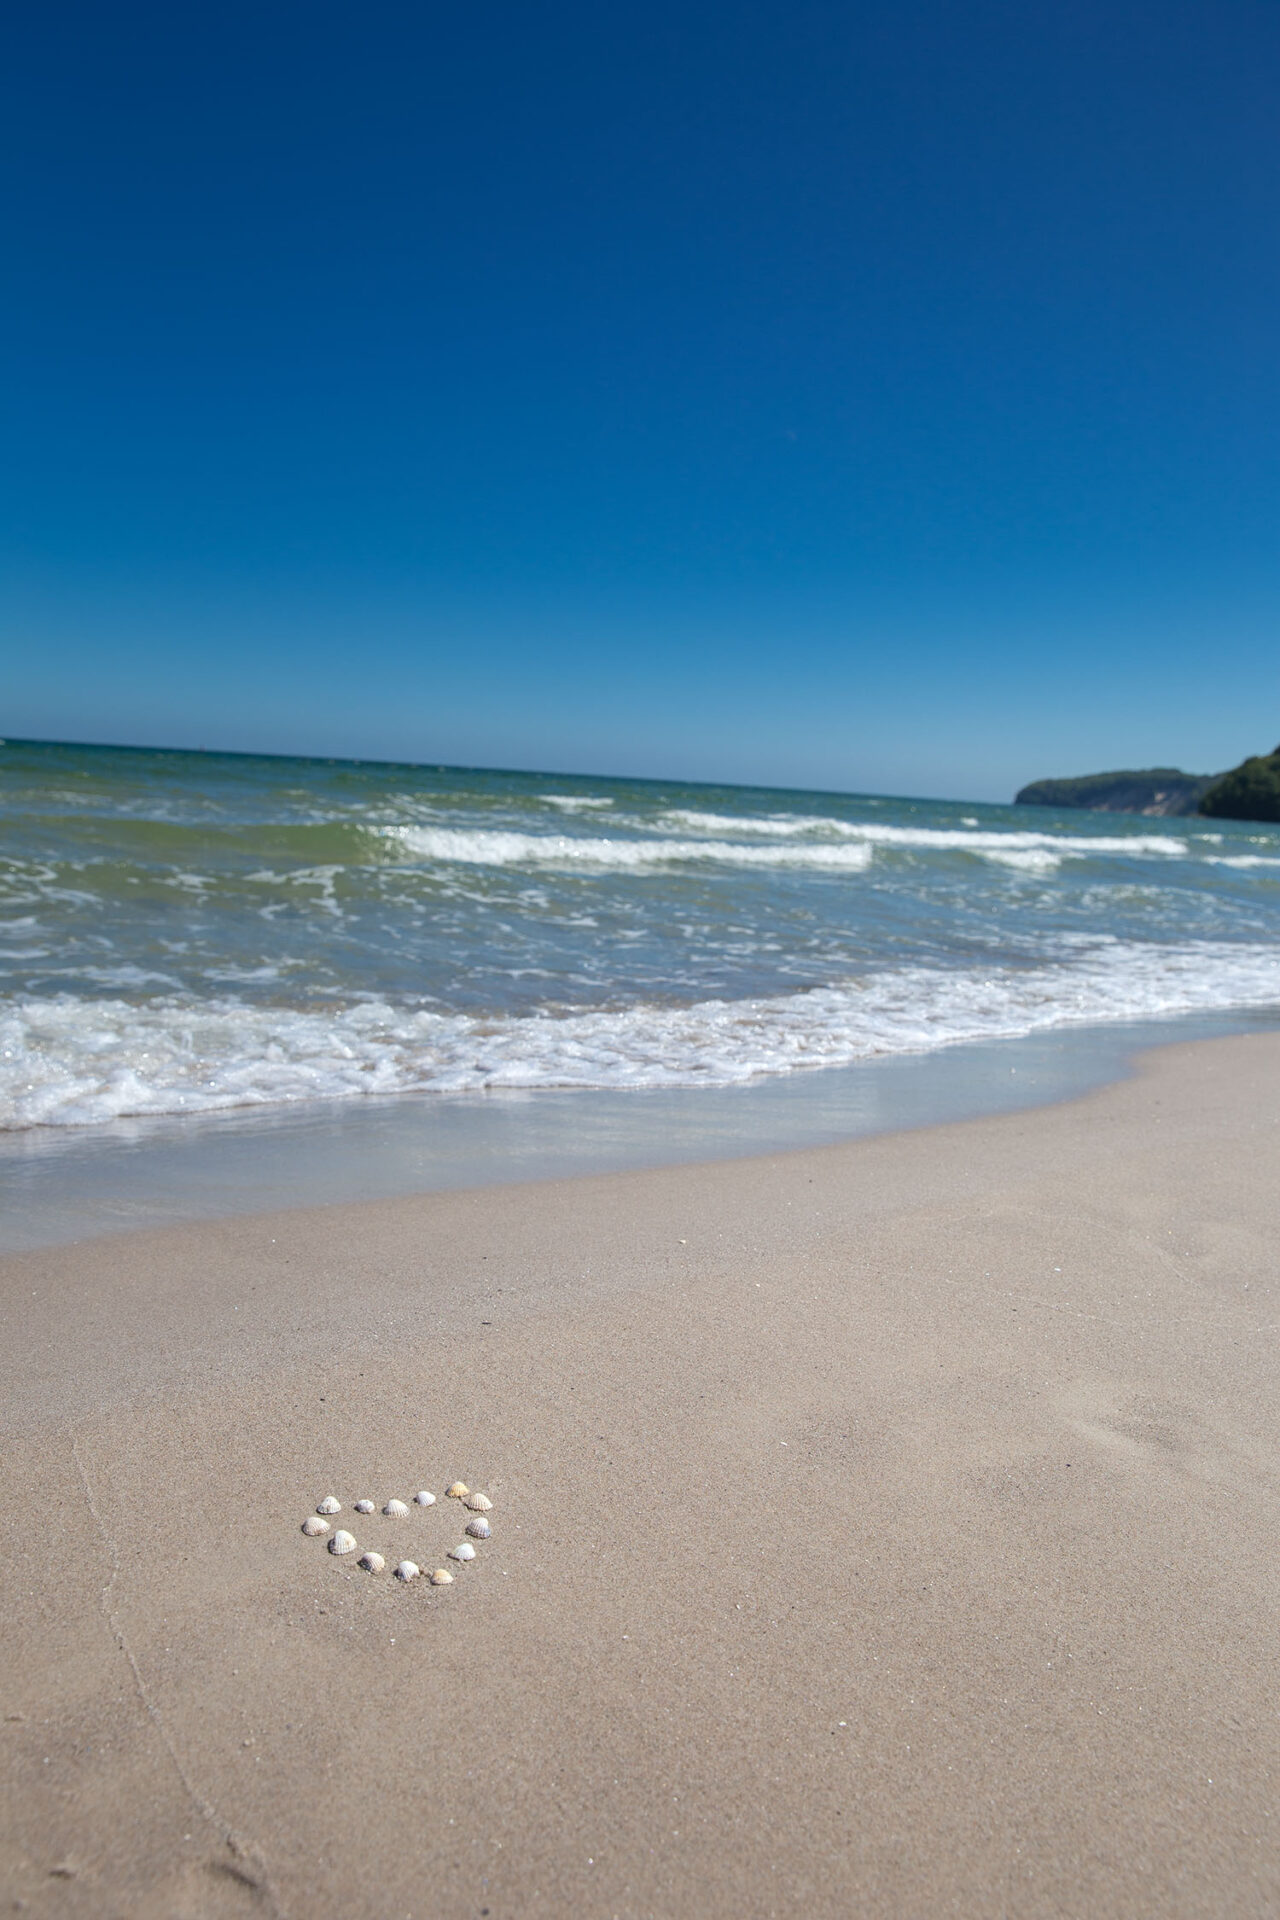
(1250, 791)
(1156, 790)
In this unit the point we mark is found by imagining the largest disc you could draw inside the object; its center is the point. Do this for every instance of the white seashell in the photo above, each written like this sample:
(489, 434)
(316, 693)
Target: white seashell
(396, 1509)
(408, 1570)
(478, 1503)
(371, 1562)
(329, 1505)
(458, 1491)
(314, 1527)
(441, 1577)
(465, 1552)
(342, 1542)
(479, 1529)
(365, 1506)
(424, 1499)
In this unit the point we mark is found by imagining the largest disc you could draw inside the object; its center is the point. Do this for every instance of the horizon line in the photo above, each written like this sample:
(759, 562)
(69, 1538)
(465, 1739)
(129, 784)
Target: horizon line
(538, 773)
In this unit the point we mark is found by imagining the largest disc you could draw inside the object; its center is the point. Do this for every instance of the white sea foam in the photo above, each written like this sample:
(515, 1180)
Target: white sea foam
(1024, 859)
(782, 825)
(965, 839)
(493, 847)
(848, 847)
(575, 802)
(67, 1061)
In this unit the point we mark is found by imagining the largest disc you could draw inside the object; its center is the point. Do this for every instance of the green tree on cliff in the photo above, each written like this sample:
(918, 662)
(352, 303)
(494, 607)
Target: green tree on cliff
(1250, 791)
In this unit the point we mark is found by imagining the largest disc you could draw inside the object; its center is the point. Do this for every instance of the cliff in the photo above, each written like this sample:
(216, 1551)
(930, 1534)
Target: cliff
(1156, 791)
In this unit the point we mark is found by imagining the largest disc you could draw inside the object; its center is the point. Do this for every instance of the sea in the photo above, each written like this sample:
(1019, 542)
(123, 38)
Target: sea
(185, 935)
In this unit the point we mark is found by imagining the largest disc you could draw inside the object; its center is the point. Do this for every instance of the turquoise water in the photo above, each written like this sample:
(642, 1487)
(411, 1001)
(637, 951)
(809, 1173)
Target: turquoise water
(186, 933)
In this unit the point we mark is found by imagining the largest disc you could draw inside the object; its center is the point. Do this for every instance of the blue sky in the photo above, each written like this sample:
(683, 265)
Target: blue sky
(822, 394)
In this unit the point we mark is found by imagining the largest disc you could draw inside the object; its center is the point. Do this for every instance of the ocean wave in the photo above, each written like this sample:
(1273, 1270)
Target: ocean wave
(964, 839)
(1024, 859)
(847, 846)
(783, 825)
(69, 1061)
(497, 847)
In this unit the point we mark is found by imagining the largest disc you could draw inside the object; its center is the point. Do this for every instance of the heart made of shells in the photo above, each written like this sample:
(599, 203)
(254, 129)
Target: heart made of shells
(344, 1543)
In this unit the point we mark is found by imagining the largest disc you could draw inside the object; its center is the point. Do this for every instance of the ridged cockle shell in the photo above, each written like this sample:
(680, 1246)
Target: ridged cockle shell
(479, 1529)
(371, 1562)
(396, 1509)
(441, 1577)
(342, 1542)
(478, 1503)
(458, 1491)
(314, 1527)
(465, 1552)
(425, 1499)
(365, 1506)
(329, 1505)
(408, 1570)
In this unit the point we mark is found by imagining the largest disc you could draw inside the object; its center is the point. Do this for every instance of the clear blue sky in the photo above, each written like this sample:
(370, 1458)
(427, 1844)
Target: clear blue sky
(858, 396)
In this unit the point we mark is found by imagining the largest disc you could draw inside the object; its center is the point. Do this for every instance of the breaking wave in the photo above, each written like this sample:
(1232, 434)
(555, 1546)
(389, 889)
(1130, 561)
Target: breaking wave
(70, 1061)
(814, 843)
(489, 847)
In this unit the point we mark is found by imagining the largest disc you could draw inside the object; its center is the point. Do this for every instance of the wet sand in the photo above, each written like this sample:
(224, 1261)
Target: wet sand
(890, 1529)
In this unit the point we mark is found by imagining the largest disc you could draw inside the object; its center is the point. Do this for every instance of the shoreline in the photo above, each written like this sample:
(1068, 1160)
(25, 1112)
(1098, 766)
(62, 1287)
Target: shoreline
(885, 1527)
(59, 1185)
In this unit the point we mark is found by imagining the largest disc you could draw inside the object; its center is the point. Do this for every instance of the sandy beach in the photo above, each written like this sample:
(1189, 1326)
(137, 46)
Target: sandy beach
(884, 1529)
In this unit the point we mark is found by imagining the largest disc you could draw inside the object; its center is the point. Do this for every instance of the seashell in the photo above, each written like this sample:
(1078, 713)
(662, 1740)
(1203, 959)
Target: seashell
(458, 1491)
(329, 1505)
(479, 1529)
(478, 1503)
(424, 1499)
(365, 1506)
(342, 1542)
(371, 1562)
(465, 1552)
(408, 1570)
(314, 1527)
(441, 1577)
(396, 1509)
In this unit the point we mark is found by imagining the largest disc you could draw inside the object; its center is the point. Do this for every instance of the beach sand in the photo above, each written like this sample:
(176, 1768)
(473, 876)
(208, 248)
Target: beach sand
(887, 1529)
